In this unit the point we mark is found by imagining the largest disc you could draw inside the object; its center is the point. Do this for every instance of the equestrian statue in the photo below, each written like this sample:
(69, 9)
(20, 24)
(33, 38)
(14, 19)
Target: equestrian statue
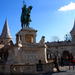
(25, 16)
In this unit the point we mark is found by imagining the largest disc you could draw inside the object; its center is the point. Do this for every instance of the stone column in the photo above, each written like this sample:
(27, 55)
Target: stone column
(23, 39)
(18, 38)
(34, 39)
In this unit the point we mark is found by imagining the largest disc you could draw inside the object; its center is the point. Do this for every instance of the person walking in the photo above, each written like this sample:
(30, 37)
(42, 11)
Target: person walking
(62, 61)
(71, 61)
(56, 63)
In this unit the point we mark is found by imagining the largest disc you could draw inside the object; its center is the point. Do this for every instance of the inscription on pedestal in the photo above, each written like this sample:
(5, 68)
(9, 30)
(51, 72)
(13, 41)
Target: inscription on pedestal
(30, 55)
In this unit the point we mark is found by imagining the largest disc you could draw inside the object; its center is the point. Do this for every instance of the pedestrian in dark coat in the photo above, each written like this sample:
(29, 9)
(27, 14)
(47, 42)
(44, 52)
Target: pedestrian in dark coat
(62, 61)
(56, 63)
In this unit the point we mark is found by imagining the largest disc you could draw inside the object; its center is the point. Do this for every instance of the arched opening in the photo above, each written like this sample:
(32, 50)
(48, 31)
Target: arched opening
(65, 55)
(29, 38)
(57, 54)
(49, 55)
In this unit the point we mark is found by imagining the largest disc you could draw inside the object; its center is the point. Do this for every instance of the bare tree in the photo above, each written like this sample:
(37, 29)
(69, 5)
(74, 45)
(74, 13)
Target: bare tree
(54, 39)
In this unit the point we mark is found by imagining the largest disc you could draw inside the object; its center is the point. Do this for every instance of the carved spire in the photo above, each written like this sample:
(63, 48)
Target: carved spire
(73, 29)
(5, 32)
(72, 32)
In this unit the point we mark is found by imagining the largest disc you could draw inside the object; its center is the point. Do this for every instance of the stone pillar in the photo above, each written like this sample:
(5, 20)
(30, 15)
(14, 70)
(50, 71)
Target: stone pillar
(34, 39)
(24, 39)
(18, 38)
(42, 55)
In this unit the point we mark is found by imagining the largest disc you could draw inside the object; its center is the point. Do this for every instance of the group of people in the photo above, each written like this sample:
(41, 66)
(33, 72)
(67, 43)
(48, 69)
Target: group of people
(71, 61)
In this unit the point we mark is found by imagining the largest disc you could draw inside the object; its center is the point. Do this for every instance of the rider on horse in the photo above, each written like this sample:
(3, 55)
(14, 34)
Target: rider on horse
(25, 16)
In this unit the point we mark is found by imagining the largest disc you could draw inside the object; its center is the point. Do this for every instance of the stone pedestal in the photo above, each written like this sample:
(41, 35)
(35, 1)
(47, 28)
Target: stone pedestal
(28, 55)
(28, 35)
(31, 52)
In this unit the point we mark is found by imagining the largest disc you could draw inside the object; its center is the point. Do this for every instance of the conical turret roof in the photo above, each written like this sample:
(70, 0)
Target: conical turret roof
(73, 29)
(5, 32)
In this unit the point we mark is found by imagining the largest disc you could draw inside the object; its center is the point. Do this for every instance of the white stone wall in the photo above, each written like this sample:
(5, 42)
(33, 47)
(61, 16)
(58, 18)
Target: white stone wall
(61, 49)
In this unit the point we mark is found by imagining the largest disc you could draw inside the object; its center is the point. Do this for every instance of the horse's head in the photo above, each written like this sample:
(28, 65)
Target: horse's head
(30, 8)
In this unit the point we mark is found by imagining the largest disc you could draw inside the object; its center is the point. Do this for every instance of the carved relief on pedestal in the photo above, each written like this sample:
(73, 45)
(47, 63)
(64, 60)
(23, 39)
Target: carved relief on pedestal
(29, 55)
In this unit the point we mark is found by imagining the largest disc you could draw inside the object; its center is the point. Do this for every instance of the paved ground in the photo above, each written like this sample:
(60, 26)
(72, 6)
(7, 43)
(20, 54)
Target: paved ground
(63, 71)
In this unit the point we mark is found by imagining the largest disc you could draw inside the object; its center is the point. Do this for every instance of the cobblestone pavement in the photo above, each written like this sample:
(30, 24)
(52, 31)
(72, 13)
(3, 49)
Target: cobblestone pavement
(63, 71)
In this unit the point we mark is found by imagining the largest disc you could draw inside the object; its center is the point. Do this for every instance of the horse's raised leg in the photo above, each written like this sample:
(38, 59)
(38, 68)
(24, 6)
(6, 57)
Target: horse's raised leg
(28, 24)
(22, 25)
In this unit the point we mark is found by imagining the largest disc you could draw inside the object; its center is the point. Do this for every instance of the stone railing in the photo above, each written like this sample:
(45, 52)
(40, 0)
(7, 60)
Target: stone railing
(26, 69)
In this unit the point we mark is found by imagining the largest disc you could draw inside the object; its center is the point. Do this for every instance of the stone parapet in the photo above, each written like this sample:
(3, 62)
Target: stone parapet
(26, 68)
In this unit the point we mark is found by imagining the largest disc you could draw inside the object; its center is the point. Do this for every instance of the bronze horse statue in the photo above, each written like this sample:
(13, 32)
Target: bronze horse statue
(25, 16)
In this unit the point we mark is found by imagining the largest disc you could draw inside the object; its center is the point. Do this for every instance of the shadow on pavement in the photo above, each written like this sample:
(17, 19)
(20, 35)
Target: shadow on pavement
(66, 63)
(52, 73)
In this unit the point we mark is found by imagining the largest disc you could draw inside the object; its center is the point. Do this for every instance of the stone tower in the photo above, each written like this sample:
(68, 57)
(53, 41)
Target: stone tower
(5, 37)
(72, 32)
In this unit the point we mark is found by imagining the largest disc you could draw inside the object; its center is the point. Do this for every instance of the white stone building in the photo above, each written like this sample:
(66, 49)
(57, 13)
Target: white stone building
(26, 55)
(62, 48)
(26, 52)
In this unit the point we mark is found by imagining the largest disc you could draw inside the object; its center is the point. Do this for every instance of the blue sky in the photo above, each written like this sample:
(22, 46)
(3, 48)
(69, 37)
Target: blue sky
(49, 17)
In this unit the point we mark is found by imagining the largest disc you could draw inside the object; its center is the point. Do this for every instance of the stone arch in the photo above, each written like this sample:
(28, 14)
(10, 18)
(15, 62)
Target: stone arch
(49, 55)
(56, 53)
(65, 55)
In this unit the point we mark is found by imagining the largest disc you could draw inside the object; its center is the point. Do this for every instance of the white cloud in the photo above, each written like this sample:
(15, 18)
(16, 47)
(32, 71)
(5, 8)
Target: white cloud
(70, 6)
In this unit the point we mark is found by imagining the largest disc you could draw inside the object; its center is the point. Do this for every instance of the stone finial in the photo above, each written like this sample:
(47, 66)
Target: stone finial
(42, 41)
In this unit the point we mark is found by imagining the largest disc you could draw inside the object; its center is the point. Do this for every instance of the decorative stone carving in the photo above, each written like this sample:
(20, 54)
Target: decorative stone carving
(30, 55)
(42, 41)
